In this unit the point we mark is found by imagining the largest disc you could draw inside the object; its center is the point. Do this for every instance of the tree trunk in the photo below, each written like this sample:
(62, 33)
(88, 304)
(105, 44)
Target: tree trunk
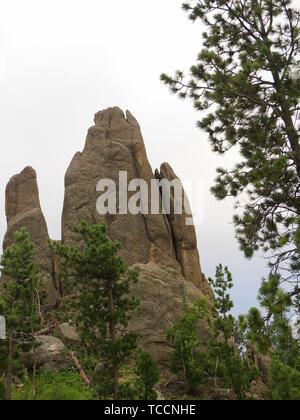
(78, 366)
(292, 136)
(113, 337)
(8, 384)
(34, 372)
(285, 112)
(287, 118)
(216, 375)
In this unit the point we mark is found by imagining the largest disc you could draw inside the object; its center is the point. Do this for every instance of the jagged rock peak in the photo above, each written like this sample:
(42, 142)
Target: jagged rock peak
(113, 145)
(184, 235)
(23, 210)
(113, 118)
(22, 194)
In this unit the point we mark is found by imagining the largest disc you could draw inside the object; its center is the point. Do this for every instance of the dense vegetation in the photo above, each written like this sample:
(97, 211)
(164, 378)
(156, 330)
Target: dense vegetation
(246, 358)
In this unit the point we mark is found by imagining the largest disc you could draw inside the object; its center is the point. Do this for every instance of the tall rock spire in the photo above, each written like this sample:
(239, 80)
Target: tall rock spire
(184, 235)
(23, 210)
(113, 145)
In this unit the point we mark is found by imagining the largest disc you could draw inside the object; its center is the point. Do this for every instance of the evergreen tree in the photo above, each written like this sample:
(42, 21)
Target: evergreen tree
(247, 84)
(275, 334)
(285, 382)
(187, 357)
(104, 303)
(20, 302)
(222, 357)
(227, 346)
(147, 377)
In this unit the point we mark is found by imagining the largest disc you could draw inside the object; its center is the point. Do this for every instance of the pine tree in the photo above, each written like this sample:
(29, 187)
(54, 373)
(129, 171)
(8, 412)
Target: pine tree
(285, 382)
(227, 346)
(104, 304)
(187, 357)
(246, 82)
(147, 377)
(20, 302)
(275, 334)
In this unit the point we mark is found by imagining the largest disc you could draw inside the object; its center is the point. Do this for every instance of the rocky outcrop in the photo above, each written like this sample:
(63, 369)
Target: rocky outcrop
(23, 210)
(163, 293)
(162, 246)
(67, 333)
(115, 145)
(184, 234)
(50, 355)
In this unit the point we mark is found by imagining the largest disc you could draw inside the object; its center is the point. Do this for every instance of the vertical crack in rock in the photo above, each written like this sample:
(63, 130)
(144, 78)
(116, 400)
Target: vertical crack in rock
(184, 236)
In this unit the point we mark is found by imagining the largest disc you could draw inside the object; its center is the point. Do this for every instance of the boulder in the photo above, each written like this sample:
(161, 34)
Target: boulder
(50, 355)
(67, 333)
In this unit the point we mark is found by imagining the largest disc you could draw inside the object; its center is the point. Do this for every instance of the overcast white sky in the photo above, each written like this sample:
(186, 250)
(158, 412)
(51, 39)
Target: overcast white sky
(61, 61)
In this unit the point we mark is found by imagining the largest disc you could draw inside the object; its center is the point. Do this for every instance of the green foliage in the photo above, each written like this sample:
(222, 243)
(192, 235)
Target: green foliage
(274, 334)
(138, 381)
(285, 382)
(227, 346)
(2, 390)
(222, 284)
(62, 386)
(19, 303)
(104, 302)
(184, 339)
(147, 377)
(19, 300)
(230, 368)
(246, 82)
(221, 357)
(258, 331)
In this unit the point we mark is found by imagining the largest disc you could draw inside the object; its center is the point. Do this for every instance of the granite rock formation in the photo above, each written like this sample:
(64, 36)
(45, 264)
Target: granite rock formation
(164, 294)
(184, 235)
(115, 145)
(23, 210)
(161, 246)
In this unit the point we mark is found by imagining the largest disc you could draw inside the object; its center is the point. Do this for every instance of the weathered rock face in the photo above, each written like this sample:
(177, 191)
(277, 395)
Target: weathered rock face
(50, 355)
(163, 293)
(162, 246)
(67, 333)
(184, 235)
(115, 145)
(23, 210)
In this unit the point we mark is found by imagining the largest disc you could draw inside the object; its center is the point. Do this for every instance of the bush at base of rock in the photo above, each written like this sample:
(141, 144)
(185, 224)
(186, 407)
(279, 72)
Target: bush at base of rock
(65, 385)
